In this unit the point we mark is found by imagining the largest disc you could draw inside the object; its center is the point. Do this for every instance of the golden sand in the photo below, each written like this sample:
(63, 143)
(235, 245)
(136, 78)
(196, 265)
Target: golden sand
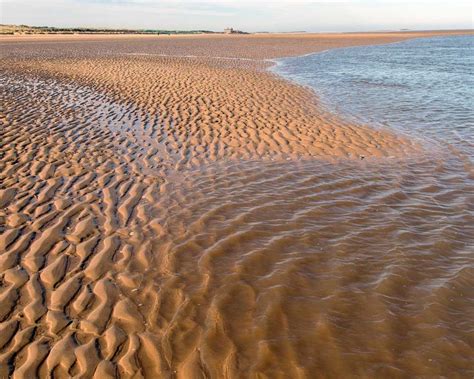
(96, 280)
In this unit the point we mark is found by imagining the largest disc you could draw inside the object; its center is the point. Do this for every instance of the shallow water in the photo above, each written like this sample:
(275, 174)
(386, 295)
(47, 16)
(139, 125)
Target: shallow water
(337, 270)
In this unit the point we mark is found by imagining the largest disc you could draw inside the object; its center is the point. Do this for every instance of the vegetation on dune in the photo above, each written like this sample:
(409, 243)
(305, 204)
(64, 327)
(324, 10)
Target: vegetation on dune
(26, 29)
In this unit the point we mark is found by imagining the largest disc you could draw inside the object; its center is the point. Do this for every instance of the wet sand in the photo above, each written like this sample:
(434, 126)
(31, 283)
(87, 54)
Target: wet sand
(169, 208)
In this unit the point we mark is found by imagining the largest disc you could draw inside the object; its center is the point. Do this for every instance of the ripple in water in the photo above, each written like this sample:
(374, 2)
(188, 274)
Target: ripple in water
(351, 269)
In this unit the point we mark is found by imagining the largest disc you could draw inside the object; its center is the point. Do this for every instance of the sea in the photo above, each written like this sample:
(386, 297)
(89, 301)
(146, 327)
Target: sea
(422, 87)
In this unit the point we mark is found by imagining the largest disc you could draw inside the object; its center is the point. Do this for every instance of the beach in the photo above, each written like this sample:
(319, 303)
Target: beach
(171, 208)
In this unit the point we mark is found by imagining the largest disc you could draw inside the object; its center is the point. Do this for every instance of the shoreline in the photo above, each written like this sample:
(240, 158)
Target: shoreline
(269, 62)
(325, 106)
(328, 105)
(248, 63)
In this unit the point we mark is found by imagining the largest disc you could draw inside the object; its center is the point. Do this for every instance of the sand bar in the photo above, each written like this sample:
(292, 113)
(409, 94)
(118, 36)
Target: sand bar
(96, 279)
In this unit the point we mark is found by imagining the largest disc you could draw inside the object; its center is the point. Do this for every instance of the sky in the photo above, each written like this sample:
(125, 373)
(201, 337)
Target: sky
(247, 15)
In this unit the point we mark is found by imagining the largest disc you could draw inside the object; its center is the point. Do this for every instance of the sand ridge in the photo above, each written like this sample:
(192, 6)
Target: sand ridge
(95, 145)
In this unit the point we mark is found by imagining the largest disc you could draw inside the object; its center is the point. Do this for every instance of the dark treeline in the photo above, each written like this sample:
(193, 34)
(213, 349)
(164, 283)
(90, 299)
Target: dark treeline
(25, 29)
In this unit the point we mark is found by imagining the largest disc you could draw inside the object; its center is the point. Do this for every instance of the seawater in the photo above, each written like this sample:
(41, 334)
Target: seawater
(422, 87)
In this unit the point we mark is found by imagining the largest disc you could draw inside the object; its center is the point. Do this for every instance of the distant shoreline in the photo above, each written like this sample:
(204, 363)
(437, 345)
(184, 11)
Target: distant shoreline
(51, 30)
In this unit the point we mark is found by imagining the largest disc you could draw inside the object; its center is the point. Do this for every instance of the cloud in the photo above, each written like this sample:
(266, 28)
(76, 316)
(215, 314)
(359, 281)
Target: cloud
(250, 15)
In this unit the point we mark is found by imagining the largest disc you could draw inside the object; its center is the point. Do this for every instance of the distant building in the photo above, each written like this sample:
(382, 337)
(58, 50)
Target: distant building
(232, 31)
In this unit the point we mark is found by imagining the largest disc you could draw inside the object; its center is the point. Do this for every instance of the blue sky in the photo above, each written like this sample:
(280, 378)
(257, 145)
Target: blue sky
(249, 15)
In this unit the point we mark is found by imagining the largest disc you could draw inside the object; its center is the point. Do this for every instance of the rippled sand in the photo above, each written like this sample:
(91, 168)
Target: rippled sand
(171, 209)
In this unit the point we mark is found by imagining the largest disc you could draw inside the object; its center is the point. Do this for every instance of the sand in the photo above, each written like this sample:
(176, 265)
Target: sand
(96, 133)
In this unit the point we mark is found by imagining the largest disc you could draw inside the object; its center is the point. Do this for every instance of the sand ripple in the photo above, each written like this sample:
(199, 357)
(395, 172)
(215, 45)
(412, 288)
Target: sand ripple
(178, 217)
